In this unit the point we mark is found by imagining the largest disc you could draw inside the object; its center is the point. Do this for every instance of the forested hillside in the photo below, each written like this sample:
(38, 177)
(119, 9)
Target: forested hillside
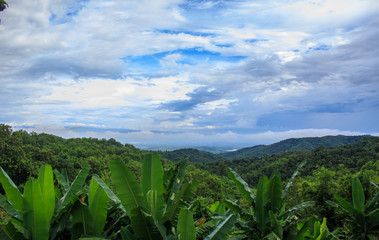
(302, 194)
(351, 156)
(23, 153)
(193, 155)
(292, 144)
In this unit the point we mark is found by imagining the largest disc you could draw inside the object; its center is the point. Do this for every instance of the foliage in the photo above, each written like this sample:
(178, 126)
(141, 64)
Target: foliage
(155, 197)
(36, 214)
(194, 155)
(23, 153)
(363, 215)
(267, 216)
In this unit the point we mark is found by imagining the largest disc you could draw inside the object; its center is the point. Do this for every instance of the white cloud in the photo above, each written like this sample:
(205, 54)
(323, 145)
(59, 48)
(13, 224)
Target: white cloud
(100, 93)
(96, 63)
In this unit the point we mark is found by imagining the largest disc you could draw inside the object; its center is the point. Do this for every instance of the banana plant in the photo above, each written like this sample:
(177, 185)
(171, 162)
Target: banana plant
(88, 218)
(267, 217)
(321, 232)
(38, 213)
(363, 215)
(33, 210)
(154, 211)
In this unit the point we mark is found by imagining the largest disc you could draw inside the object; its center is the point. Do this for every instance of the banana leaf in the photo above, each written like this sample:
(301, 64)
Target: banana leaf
(242, 186)
(222, 228)
(46, 181)
(152, 183)
(130, 193)
(4, 204)
(37, 215)
(260, 202)
(97, 206)
(63, 179)
(71, 194)
(345, 205)
(11, 191)
(179, 200)
(290, 182)
(358, 196)
(186, 225)
(274, 192)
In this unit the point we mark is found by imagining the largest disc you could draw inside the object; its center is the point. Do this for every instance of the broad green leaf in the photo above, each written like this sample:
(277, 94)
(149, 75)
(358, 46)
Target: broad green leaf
(289, 183)
(303, 231)
(62, 179)
(322, 230)
(131, 196)
(60, 225)
(345, 205)
(260, 202)
(20, 227)
(46, 180)
(152, 183)
(8, 207)
(179, 176)
(276, 226)
(271, 236)
(222, 228)
(179, 200)
(371, 203)
(107, 190)
(234, 207)
(300, 206)
(75, 187)
(215, 206)
(242, 186)
(80, 218)
(173, 180)
(161, 228)
(358, 195)
(186, 225)
(36, 217)
(13, 195)
(237, 209)
(316, 229)
(373, 213)
(126, 234)
(274, 192)
(11, 232)
(97, 206)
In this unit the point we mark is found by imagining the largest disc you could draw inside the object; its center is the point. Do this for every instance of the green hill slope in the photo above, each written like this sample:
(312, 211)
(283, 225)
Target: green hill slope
(194, 155)
(292, 144)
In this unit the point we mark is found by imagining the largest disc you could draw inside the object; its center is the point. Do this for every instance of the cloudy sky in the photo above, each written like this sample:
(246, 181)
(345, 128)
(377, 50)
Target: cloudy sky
(190, 72)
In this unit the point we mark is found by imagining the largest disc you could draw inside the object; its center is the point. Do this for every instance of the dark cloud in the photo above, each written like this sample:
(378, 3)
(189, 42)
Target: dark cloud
(199, 96)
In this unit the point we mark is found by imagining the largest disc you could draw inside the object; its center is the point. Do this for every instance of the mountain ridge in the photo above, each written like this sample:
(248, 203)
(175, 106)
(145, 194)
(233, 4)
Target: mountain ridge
(291, 144)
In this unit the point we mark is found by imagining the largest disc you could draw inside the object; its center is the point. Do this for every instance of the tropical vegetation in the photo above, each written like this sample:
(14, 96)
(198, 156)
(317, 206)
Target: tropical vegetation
(85, 188)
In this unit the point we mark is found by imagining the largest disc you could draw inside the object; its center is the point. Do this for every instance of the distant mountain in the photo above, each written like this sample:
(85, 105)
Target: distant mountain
(194, 155)
(292, 144)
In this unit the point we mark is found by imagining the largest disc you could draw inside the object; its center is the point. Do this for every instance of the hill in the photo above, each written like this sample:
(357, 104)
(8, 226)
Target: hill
(293, 144)
(194, 155)
(348, 156)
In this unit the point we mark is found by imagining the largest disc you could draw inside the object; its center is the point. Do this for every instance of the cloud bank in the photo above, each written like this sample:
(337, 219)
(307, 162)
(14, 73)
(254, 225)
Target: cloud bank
(177, 72)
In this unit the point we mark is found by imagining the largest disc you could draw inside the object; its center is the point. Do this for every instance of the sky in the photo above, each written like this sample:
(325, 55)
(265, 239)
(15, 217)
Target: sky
(187, 73)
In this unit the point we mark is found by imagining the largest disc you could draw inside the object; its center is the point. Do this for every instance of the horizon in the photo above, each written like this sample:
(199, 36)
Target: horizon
(208, 148)
(173, 73)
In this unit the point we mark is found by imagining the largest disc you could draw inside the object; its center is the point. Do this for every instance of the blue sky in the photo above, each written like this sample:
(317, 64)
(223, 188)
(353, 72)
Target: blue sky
(186, 73)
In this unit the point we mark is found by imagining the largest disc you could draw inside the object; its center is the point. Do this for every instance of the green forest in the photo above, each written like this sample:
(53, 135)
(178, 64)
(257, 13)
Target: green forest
(87, 188)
